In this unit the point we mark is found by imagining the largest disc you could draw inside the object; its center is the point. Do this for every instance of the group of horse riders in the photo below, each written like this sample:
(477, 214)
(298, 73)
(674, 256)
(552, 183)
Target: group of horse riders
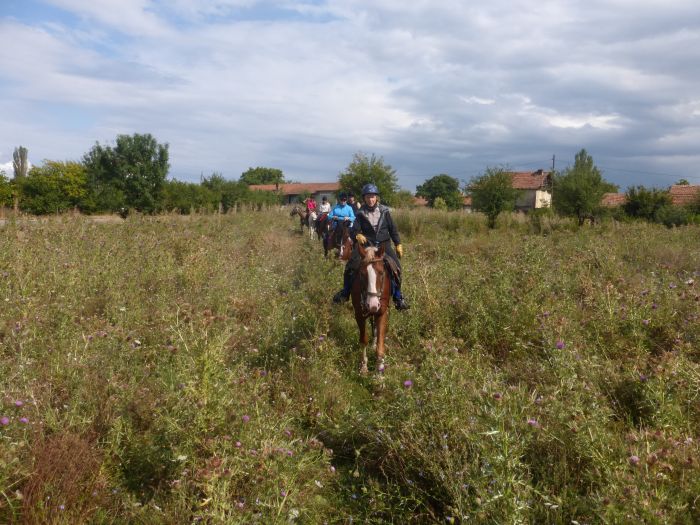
(370, 224)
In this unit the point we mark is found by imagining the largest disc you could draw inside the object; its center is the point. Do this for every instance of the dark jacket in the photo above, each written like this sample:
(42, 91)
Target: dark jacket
(386, 229)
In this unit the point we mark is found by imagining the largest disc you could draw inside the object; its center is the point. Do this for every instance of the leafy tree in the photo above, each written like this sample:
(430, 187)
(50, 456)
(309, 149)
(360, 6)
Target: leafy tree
(262, 175)
(493, 193)
(20, 164)
(53, 187)
(673, 216)
(644, 203)
(404, 199)
(443, 186)
(364, 170)
(6, 191)
(184, 197)
(132, 173)
(683, 182)
(578, 191)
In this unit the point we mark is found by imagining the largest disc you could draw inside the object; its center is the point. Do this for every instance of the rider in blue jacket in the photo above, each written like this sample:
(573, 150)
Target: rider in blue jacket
(341, 211)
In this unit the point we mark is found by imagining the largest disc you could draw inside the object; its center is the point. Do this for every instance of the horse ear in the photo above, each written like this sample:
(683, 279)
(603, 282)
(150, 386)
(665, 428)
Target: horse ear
(380, 251)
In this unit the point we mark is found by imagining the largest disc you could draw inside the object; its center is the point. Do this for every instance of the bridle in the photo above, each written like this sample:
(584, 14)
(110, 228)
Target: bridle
(364, 294)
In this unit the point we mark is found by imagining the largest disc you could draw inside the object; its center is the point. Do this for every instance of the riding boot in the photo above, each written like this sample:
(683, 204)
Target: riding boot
(399, 300)
(344, 294)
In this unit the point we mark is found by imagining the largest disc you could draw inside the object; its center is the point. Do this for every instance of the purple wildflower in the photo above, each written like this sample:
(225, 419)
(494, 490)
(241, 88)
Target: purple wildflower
(4, 421)
(634, 460)
(19, 403)
(283, 493)
(533, 423)
(654, 306)
(321, 337)
(645, 322)
(246, 418)
(497, 396)
(408, 383)
(239, 444)
(23, 420)
(560, 344)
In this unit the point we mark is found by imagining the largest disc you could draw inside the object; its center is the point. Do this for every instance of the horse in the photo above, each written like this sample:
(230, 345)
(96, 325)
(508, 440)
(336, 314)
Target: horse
(371, 295)
(323, 226)
(311, 223)
(339, 238)
(296, 210)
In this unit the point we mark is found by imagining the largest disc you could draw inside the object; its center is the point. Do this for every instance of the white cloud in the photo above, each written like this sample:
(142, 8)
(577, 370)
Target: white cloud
(434, 87)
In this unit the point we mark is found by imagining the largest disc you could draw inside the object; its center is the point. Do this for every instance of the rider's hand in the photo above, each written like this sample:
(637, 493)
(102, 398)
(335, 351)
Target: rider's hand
(361, 239)
(399, 250)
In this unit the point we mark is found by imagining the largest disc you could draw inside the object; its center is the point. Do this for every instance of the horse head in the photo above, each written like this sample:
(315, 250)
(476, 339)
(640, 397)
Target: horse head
(373, 278)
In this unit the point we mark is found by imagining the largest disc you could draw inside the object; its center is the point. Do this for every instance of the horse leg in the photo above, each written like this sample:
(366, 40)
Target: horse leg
(381, 323)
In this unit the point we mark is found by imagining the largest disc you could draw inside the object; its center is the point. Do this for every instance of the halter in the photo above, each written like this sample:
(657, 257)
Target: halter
(380, 289)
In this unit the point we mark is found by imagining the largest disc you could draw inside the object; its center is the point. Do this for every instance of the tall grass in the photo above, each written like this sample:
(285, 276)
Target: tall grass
(170, 370)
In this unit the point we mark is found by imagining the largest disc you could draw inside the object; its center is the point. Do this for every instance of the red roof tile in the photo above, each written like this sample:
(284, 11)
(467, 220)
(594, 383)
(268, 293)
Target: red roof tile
(612, 200)
(296, 189)
(525, 180)
(420, 201)
(683, 194)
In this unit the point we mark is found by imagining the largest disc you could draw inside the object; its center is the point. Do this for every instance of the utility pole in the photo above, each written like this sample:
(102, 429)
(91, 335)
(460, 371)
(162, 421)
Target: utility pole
(551, 180)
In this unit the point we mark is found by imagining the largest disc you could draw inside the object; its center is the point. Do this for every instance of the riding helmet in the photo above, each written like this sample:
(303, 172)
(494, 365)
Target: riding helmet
(369, 188)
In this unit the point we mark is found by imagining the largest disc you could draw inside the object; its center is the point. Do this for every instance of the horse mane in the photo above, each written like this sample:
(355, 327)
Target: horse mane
(370, 253)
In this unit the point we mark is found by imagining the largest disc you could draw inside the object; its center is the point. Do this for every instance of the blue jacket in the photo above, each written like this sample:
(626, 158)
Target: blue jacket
(341, 211)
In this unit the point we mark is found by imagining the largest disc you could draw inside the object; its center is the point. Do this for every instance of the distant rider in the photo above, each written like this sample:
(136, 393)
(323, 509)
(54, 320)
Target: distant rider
(325, 206)
(341, 211)
(375, 227)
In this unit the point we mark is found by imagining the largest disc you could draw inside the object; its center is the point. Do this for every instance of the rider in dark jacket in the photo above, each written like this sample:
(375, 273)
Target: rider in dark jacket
(374, 226)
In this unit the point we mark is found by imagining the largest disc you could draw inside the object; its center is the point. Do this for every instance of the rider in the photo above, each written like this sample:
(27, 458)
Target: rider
(341, 211)
(353, 203)
(374, 226)
(310, 204)
(325, 206)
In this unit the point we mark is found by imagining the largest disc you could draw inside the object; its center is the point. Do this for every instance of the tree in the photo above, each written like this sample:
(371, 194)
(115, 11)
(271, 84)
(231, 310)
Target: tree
(643, 203)
(683, 182)
(262, 175)
(404, 199)
(19, 162)
(131, 174)
(443, 186)
(53, 187)
(364, 170)
(493, 193)
(6, 191)
(579, 189)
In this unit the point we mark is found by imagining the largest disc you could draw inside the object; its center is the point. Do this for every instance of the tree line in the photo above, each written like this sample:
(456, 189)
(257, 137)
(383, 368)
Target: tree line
(132, 175)
(576, 192)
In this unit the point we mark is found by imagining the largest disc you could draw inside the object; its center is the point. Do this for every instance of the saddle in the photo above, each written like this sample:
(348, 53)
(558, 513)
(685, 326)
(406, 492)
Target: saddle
(393, 268)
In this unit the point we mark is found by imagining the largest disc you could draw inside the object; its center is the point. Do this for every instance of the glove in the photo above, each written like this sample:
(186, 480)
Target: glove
(399, 250)
(361, 239)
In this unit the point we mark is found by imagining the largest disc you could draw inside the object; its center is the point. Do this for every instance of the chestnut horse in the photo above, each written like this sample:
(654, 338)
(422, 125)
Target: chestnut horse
(340, 240)
(371, 294)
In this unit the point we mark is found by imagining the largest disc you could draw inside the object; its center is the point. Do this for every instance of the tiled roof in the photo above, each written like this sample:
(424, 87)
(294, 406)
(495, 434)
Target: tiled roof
(296, 189)
(420, 201)
(526, 180)
(612, 200)
(683, 194)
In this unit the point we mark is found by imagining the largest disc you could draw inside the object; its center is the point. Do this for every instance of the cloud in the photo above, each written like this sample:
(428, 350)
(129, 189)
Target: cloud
(447, 87)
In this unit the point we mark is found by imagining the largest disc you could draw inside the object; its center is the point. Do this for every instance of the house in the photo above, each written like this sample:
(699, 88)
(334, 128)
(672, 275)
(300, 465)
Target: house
(535, 188)
(684, 194)
(291, 192)
(613, 200)
(467, 204)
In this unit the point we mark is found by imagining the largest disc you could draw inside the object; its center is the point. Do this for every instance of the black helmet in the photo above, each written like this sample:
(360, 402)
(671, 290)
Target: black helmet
(324, 199)
(342, 196)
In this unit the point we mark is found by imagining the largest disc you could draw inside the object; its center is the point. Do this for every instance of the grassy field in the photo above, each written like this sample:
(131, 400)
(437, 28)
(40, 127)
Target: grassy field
(193, 370)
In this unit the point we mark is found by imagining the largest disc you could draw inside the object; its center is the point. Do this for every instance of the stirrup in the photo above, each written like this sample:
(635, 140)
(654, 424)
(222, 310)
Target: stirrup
(401, 304)
(340, 297)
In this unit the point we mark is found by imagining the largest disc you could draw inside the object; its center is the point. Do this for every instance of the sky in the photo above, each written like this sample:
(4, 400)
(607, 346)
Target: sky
(430, 86)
